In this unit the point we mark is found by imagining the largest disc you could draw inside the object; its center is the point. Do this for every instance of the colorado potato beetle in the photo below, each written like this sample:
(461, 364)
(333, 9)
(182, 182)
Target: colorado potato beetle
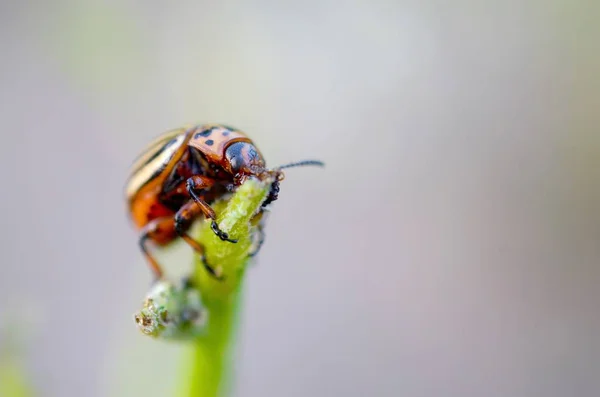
(175, 179)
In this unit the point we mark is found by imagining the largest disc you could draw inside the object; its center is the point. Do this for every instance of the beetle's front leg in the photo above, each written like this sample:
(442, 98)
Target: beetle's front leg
(195, 185)
(183, 220)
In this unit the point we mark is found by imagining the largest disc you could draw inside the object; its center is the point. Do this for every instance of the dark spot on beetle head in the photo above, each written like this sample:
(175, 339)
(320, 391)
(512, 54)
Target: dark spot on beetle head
(225, 133)
(204, 133)
(209, 142)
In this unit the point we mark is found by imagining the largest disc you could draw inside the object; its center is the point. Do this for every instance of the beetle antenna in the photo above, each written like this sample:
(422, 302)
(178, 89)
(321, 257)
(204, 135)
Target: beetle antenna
(302, 164)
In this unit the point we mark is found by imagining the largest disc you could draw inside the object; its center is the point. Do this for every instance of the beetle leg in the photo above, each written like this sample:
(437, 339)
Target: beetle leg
(158, 229)
(183, 220)
(221, 234)
(194, 186)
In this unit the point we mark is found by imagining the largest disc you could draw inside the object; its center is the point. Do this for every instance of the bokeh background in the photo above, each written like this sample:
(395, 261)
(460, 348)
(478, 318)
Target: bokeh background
(450, 247)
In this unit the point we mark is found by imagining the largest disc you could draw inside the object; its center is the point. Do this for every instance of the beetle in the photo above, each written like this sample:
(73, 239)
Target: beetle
(174, 180)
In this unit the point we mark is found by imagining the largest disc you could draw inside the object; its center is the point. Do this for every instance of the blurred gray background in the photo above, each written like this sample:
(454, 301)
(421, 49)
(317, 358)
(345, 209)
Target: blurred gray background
(450, 247)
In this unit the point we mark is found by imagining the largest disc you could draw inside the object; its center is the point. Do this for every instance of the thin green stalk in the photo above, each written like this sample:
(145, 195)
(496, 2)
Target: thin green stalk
(208, 366)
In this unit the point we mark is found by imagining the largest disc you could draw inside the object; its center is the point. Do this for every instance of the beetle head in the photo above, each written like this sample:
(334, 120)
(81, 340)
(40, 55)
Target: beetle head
(243, 159)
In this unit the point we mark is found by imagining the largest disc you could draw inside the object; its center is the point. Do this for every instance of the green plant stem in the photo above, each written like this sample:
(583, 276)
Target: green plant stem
(209, 362)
